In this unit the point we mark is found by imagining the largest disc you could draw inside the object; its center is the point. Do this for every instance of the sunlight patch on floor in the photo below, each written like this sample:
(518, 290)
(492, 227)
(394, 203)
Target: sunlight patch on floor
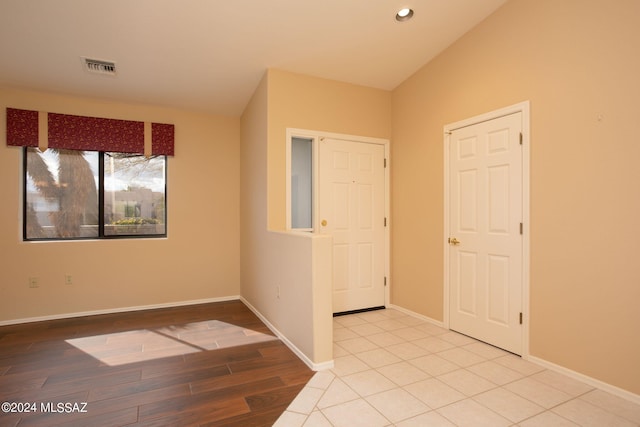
(148, 344)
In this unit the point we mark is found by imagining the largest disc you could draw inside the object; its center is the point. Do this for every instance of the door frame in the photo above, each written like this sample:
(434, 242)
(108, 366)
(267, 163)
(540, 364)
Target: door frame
(524, 108)
(316, 137)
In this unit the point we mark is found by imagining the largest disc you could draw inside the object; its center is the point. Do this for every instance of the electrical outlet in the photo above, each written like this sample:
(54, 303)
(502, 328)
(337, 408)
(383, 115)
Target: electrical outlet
(34, 282)
(68, 279)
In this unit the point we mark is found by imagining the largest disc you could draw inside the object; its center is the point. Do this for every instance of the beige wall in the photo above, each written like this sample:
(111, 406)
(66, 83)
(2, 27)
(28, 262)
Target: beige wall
(253, 195)
(303, 102)
(276, 277)
(298, 264)
(577, 62)
(198, 261)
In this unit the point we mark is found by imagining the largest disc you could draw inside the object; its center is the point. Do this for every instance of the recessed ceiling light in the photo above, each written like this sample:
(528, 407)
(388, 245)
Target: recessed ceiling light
(404, 14)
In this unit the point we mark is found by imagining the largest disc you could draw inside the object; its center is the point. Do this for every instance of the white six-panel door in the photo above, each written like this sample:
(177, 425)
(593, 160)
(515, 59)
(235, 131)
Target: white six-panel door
(485, 240)
(352, 209)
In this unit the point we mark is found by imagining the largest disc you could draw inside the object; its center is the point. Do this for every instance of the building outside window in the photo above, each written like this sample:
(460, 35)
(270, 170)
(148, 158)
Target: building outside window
(72, 194)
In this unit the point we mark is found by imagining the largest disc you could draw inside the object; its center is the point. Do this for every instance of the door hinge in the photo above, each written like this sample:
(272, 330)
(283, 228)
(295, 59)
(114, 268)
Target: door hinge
(521, 318)
(385, 221)
(385, 162)
(521, 228)
(385, 280)
(520, 138)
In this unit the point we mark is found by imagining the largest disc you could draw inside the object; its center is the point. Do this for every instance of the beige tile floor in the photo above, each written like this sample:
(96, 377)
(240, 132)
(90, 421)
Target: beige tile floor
(392, 369)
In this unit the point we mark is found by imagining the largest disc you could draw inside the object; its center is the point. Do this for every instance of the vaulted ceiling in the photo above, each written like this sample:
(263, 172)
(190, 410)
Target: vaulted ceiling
(209, 55)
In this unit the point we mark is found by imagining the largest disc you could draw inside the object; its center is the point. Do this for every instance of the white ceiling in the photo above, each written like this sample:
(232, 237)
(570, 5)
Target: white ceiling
(210, 55)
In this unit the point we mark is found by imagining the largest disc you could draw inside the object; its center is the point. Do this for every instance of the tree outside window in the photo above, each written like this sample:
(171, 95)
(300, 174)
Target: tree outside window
(72, 194)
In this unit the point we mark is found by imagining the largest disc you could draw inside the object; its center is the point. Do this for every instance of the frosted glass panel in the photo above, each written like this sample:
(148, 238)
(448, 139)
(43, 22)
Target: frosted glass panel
(301, 183)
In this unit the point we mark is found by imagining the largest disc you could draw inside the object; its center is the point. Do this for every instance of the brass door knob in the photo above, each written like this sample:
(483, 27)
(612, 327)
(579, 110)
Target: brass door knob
(453, 241)
(323, 223)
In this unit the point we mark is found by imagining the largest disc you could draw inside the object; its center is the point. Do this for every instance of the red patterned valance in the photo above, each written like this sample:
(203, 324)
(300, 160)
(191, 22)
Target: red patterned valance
(162, 136)
(22, 128)
(95, 134)
(88, 133)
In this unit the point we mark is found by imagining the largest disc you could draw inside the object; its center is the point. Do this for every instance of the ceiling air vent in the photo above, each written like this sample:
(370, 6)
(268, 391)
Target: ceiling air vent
(98, 66)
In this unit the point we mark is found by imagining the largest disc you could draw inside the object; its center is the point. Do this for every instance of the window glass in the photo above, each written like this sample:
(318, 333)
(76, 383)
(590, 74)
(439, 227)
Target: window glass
(301, 183)
(134, 194)
(61, 194)
(69, 196)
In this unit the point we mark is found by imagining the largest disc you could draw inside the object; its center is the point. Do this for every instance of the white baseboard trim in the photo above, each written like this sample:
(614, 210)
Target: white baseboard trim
(625, 394)
(117, 310)
(419, 316)
(310, 363)
(323, 366)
